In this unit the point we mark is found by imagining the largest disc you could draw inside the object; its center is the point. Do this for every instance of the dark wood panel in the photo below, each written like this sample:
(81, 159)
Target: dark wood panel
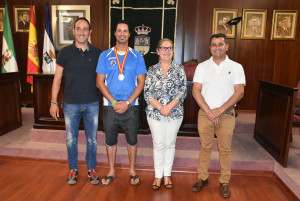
(274, 61)
(10, 105)
(21, 39)
(42, 84)
(42, 99)
(274, 118)
(190, 119)
(262, 59)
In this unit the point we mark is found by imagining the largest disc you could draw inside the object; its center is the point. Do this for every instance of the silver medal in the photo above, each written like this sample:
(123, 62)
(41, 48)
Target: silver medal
(121, 77)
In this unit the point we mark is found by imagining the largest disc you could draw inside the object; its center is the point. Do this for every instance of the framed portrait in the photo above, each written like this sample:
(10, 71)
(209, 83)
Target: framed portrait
(220, 18)
(63, 18)
(22, 18)
(284, 24)
(2, 13)
(254, 24)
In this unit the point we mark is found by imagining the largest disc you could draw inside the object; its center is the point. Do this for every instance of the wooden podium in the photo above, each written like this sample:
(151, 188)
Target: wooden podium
(10, 104)
(42, 85)
(274, 119)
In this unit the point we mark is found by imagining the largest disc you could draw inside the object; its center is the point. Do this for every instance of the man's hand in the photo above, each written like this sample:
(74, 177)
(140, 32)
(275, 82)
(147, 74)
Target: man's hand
(216, 121)
(54, 111)
(121, 107)
(214, 113)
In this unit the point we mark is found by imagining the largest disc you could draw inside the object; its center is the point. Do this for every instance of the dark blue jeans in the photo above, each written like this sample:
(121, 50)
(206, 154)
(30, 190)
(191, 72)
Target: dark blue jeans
(73, 114)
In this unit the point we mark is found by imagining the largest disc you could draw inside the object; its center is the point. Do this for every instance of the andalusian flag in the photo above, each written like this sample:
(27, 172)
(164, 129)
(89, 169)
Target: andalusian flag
(9, 63)
(49, 59)
(33, 65)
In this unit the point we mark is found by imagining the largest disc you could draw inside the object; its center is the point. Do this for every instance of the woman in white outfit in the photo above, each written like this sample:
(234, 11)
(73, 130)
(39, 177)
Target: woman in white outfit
(164, 92)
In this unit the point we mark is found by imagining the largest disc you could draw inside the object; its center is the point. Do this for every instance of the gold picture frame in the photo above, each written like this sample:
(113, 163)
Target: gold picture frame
(2, 14)
(284, 24)
(220, 18)
(63, 18)
(22, 18)
(254, 24)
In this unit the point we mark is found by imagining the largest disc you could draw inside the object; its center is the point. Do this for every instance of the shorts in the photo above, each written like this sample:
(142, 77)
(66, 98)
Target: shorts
(128, 121)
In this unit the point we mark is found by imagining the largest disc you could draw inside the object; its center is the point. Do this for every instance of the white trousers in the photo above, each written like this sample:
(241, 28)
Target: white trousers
(164, 135)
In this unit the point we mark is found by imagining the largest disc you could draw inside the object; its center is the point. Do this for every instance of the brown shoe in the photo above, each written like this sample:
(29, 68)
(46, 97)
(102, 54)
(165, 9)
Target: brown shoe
(199, 185)
(225, 190)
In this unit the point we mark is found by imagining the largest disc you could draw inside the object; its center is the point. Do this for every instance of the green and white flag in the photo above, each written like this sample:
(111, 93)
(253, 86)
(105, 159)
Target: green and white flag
(9, 63)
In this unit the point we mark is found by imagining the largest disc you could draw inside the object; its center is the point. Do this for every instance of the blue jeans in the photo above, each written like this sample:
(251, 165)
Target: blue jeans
(73, 114)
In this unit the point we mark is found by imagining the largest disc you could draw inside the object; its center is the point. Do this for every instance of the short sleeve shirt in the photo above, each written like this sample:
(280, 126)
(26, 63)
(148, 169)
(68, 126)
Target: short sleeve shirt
(80, 73)
(218, 81)
(134, 66)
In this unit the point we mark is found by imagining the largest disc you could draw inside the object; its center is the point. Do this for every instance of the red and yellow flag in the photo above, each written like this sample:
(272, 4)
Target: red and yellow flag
(33, 64)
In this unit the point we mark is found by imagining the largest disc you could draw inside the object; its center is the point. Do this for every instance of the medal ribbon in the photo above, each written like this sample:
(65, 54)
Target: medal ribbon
(121, 68)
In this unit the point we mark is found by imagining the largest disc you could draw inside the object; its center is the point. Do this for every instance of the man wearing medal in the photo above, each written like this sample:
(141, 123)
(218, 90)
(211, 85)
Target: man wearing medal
(120, 78)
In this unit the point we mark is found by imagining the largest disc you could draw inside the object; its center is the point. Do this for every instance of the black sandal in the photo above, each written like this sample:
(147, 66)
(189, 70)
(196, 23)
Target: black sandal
(135, 177)
(168, 185)
(107, 178)
(155, 186)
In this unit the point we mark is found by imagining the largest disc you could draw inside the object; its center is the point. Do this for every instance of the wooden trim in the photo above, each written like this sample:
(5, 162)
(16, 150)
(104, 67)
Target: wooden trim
(283, 185)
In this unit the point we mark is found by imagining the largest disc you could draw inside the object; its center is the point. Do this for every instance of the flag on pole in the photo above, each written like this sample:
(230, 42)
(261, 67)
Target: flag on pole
(49, 59)
(9, 63)
(33, 65)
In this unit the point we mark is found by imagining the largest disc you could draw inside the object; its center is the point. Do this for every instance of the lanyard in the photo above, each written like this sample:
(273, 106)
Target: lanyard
(121, 68)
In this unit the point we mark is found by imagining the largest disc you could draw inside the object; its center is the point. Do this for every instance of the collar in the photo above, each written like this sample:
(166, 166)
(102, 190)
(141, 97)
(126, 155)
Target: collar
(224, 61)
(120, 52)
(171, 66)
(88, 49)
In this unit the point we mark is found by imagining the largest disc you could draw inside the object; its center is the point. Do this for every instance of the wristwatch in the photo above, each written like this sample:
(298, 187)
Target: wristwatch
(128, 103)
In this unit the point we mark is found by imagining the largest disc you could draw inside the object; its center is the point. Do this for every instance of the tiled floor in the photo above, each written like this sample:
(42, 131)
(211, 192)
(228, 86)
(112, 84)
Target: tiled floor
(247, 153)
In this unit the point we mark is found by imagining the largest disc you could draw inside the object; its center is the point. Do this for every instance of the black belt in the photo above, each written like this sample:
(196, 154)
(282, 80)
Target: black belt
(229, 111)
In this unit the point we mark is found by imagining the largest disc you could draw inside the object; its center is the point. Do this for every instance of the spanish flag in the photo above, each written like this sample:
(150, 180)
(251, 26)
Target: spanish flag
(33, 64)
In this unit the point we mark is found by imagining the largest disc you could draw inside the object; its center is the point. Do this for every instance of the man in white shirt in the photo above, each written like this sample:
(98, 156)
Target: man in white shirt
(218, 85)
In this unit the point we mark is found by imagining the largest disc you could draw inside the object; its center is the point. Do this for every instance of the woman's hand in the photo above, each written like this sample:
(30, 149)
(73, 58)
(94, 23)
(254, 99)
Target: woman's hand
(165, 110)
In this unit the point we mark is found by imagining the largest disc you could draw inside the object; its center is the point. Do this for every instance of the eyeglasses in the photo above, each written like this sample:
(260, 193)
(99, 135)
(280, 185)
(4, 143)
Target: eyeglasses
(166, 48)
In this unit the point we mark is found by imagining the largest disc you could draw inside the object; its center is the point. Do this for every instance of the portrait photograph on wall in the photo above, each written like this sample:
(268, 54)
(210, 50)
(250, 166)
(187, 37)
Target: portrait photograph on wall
(284, 24)
(22, 18)
(2, 13)
(254, 24)
(220, 18)
(63, 19)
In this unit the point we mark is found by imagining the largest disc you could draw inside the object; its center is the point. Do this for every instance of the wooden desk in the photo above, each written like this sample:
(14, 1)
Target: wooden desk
(274, 119)
(10, 104)
(42, 85)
